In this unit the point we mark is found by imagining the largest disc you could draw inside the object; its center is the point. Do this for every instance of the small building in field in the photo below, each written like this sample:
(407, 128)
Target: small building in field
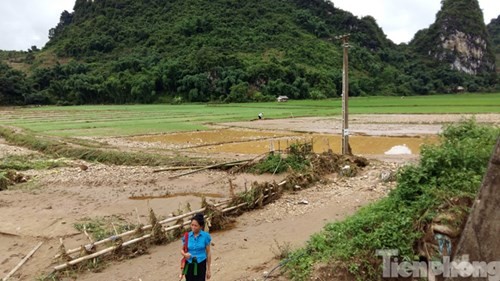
(282, 98)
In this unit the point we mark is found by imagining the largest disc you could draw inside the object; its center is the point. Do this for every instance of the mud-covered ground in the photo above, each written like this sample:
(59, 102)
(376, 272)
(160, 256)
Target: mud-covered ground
(47, 207)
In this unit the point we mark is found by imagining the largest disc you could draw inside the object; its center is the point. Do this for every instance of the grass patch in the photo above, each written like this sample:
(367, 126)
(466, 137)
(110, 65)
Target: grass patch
(55, 276)
(29, 162)
(452, 169)
(103, 227)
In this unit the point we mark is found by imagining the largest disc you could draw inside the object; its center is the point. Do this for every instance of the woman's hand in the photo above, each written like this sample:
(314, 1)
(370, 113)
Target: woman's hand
(187, 255)
(209, 274)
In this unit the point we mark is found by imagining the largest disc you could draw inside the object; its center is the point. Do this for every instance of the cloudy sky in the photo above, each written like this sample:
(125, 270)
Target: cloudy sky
(401, 19)
(24, 23)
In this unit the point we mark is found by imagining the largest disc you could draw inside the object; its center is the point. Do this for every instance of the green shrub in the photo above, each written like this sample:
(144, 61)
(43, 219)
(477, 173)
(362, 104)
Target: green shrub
(296, 160)
(276, 163)
(3, 181)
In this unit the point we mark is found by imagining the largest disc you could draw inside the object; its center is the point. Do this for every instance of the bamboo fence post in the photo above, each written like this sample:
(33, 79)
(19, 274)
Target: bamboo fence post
(176, 226)
(100, 253)
(166, 229)
(146, 227)
(22, 262)
(110, 249)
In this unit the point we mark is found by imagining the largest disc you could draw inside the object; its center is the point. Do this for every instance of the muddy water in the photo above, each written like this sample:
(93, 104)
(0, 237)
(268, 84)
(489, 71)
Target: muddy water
(360, 144)
(258, 142)
(207, 138)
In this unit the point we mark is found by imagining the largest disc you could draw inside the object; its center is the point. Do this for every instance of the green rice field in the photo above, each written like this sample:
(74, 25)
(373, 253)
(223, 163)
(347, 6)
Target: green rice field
(122, 120)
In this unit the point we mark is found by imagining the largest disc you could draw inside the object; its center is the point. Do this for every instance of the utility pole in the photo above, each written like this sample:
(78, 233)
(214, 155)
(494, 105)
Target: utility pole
(345, 95)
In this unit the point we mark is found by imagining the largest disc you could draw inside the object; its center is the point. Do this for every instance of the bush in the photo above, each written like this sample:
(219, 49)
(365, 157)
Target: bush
(317, 95)
(296, 160)
(277, 163)
(4, 182)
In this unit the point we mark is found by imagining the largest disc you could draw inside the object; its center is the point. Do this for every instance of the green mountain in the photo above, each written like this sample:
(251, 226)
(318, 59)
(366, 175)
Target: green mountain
(458, 37)
(494, 33)
(145, 51)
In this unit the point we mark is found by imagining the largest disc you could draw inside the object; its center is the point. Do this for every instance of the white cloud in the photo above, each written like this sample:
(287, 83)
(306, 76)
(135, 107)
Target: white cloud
(491, 9)
(24, 23)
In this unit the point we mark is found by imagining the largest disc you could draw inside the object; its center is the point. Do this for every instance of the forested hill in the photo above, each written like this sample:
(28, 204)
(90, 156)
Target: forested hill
(144, 51)
(494, 33)
(458, 37)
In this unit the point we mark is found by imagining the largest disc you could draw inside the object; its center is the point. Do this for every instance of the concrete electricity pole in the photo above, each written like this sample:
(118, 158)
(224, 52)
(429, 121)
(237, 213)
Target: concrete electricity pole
(345, 96)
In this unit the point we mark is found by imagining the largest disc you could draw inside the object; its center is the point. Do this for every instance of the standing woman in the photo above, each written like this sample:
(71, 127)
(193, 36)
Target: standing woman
(198, 256)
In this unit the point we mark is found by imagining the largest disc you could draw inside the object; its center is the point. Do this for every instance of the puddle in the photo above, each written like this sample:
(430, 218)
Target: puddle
(179, 194)
(258, 142)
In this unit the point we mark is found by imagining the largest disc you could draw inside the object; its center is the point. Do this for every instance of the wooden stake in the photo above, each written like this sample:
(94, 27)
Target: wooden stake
(8, 234)
(22, 262)
(231, 189)
(114, 228)
(86, 234)
(178, 168)
(209, 167)
(138, 218)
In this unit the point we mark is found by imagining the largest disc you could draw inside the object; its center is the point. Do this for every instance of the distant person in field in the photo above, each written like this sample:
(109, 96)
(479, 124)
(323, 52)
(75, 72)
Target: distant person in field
(261, 115)
(198, 257)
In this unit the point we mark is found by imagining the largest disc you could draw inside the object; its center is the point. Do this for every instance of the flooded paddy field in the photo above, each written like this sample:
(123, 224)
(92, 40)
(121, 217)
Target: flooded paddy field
(240, 141)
